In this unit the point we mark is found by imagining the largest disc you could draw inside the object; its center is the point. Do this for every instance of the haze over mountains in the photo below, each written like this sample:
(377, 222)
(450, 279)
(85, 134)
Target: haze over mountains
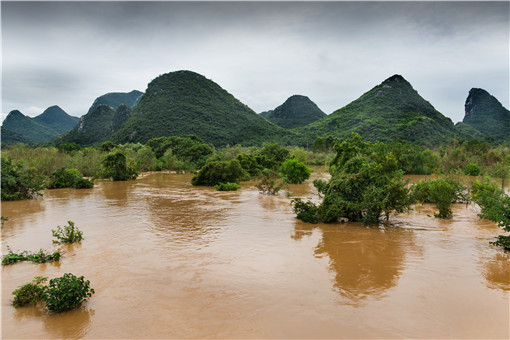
(184, 102)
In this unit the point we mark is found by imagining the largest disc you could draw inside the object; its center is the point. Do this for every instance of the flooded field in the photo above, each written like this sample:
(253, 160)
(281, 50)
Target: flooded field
(168, 260)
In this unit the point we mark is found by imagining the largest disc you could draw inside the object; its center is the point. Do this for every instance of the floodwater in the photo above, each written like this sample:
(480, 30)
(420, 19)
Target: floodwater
(168, 260)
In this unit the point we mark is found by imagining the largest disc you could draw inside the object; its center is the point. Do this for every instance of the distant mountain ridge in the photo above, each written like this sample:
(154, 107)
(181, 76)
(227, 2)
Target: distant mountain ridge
(116, 99)
(389, 111)
(42, 128)
(485, 116)
(296, 111)
(184, 102)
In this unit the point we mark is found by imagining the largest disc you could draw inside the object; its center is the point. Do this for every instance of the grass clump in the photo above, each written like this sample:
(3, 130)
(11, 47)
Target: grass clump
(29, 293)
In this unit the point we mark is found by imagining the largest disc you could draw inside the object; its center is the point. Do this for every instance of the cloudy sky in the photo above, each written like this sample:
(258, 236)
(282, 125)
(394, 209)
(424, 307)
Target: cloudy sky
(69, 53)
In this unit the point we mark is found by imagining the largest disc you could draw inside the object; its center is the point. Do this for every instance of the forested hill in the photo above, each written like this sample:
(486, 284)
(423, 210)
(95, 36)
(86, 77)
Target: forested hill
(57, 119)
(296, 111)
(116, 99)
(485, 117)
(183, 102)
(391, 110)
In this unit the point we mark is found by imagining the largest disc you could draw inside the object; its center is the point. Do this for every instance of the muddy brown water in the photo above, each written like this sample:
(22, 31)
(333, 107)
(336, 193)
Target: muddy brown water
(168, 260)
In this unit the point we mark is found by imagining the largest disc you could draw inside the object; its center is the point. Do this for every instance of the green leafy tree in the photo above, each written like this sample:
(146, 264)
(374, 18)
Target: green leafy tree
(215, 172)
(495, 206)
(472, 170)
(249, 163)
(294, 171)
(115, 167)
(442, 192)
(68, 178)
(19, 182)
(66, 292)
(272, 155)
(270, 183)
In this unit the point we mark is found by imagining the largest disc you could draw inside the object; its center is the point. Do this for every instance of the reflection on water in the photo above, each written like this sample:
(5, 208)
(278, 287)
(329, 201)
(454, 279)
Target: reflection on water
(366, 261)
(169, 260)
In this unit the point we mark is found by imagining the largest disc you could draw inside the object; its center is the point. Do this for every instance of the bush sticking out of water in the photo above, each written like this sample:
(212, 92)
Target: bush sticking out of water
(67, 234)
(41, 256)
(495, 206)
(29, 293)
(227, 186)
(215, 172)
(270, 184)
(68, 178)
(66, 292)
(442, 192)
(115, 167)
(305, 211)
(19, 182)
(294, 171)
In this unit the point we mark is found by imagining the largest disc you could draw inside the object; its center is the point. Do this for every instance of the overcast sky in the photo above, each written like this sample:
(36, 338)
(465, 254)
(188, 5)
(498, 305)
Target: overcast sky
(69, 53)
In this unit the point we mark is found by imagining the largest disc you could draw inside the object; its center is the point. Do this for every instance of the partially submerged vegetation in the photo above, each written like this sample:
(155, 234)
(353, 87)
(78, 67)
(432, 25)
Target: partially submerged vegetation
(41, 256)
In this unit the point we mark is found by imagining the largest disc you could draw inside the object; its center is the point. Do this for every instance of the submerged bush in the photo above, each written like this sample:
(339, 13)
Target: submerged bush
(29, 293)
(442, 192)
(270, 183)
(306, 211)
(68, 178)
(294, 171)
(215, 172)
(227, 186)
(19, 182)
(67, 234)
(41, 256)
(66, 292)
(116, 168)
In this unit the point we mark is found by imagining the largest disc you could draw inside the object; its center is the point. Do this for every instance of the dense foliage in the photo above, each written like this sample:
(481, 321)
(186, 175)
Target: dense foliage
(495, 206)
(365, 184)
(443, 192)
(29, 293)
(116, 168)
(294, 171)
(19, 182)
(116, 99)
(227, 186)
(27, 127)
(67, 234)
(68, 178)
(270, 183)
(66, 292)
(215, 172)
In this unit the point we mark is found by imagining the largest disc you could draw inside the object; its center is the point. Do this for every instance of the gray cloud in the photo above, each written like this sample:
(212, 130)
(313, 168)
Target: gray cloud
(68, 53)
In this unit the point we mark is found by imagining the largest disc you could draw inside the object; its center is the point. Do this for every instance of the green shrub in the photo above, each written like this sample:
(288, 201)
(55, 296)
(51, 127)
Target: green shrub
(68, 178)
(41, 256)
(271, 156)
(294, 171)
(442, 192)
(227, 186)
(66, 292)
(29, 293)
(270, 184)
(495, 206)
(19, 182)
(249, 163)
(472, 170)
(116, 168)
(215, 172)
(67, 234)
(305, 211)
(321, 186)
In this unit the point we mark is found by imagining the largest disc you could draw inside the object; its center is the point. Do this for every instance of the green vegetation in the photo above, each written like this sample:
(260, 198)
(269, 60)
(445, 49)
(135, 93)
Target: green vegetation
(67, 234)
(40, 257)
(66, 292)
(115, 167)
(27, 127)
(294, 171)
(227, 186)
(472, 170)
(442, 192)
(365, 184)
(29, 293)
(270, 183)
(56, 119)
(495, 206)
(116, 99)
(295, 112)
(19, 182)
(215, 172)
(68, 178)
(200, 107)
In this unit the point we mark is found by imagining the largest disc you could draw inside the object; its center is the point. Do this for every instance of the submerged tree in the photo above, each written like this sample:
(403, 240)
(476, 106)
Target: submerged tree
(115, 166)
(365, 184)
